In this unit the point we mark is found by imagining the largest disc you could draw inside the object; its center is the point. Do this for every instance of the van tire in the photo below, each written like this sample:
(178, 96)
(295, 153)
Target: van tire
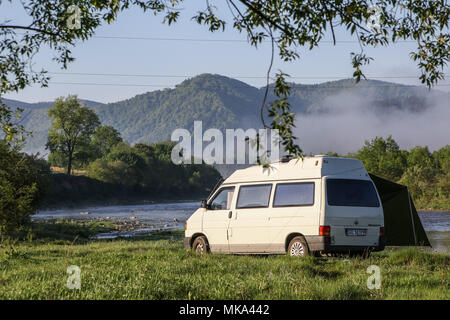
(298, 247)
(200, 245)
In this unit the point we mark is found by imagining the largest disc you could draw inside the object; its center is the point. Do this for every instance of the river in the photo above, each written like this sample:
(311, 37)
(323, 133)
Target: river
(159, 216)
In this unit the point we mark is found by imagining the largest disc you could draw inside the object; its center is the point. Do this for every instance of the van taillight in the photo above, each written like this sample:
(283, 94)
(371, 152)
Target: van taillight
(185, 225)
(324, 230)
(382, 231)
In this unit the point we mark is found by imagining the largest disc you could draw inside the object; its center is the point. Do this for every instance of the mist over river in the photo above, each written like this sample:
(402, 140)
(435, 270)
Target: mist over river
(164, 216)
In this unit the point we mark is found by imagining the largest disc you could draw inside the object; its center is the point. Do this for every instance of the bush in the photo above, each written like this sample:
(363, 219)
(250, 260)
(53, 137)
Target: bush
(23, 184)
(150, 167)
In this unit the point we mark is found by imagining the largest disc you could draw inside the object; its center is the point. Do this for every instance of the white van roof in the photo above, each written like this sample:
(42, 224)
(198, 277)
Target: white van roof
(296, 169)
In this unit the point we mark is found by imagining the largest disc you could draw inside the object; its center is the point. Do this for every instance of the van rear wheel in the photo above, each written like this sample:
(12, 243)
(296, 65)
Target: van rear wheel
(200, 245)
(298, 247)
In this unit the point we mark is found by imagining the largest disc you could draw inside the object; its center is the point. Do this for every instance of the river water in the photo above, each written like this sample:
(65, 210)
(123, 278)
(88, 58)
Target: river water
(146, 218)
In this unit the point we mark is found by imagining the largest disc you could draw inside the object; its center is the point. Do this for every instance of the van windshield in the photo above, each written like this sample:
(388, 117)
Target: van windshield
(351, 193)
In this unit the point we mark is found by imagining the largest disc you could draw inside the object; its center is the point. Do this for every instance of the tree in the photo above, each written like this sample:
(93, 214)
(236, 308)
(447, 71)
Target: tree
(442, 157)
(71, 128)
(23, 180)
(149, 168)
(23, 184)
(383, 157)
(13, 133)
(289, 25)
(422, 158)
(103, 139)
(420, 173)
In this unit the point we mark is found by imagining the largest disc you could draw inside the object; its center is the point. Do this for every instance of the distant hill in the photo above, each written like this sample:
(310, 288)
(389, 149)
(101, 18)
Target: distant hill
(44, 105)
(222, 102)
(218, 101)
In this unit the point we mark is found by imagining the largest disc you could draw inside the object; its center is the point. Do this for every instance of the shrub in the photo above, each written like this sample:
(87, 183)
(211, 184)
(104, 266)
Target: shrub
(23, 184)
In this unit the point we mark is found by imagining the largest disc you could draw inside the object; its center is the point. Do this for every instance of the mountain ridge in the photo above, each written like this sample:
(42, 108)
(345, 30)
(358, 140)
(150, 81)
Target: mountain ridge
(222, 102)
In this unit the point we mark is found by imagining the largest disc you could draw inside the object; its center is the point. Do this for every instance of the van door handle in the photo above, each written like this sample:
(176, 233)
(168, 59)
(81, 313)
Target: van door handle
(230, 214)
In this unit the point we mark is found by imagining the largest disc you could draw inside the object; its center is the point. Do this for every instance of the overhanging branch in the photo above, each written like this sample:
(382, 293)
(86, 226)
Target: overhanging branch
(264, 17)
(29, 28)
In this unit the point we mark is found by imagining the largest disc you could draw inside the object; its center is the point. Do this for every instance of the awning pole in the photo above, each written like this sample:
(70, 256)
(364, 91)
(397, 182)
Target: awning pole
(412, 218)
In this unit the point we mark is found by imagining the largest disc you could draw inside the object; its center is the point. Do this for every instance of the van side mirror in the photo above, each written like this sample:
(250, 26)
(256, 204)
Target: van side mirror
(204, 204)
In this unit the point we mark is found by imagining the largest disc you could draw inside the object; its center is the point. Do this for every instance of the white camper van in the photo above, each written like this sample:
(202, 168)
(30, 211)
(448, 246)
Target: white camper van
(318, 204)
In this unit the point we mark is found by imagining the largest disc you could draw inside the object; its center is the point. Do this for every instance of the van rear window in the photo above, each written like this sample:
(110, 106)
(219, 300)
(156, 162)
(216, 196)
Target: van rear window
(351, 193)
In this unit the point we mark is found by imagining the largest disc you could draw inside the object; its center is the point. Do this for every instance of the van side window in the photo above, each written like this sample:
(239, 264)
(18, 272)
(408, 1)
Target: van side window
(222, 200)
(294, 194)
(254, 196)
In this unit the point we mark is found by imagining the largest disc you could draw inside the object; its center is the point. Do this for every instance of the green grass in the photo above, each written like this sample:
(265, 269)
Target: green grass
(156, 266)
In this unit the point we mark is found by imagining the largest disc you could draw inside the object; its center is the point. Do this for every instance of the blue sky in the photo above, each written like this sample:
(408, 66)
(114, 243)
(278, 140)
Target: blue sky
(179, 59)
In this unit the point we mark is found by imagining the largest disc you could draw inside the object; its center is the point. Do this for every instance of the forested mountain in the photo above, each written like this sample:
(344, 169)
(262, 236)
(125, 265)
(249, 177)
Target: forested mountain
(221, 102)
(217, 101)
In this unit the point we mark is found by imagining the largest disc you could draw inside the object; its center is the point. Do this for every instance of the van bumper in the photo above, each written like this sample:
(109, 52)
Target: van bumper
(381, 244)
(317, 243)
(323, 243)
(187, 242)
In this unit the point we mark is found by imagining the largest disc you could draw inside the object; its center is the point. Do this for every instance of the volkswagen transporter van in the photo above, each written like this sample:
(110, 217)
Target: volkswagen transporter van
(316, 205)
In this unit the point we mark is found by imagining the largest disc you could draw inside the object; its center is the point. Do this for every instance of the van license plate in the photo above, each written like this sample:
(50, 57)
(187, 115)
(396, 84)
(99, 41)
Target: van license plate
(355, 232)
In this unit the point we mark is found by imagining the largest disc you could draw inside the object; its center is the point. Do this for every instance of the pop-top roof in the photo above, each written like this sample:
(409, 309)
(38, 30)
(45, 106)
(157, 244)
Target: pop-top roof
(308, 168)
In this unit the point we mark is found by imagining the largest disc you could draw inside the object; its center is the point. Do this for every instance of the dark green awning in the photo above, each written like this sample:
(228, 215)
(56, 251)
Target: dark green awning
(401, 222)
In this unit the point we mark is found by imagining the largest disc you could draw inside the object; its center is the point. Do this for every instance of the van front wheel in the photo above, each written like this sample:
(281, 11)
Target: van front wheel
(298, 247)
(200, 245)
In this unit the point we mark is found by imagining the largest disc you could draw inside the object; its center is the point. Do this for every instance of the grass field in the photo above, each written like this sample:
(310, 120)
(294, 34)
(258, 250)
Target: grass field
(156, 266)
